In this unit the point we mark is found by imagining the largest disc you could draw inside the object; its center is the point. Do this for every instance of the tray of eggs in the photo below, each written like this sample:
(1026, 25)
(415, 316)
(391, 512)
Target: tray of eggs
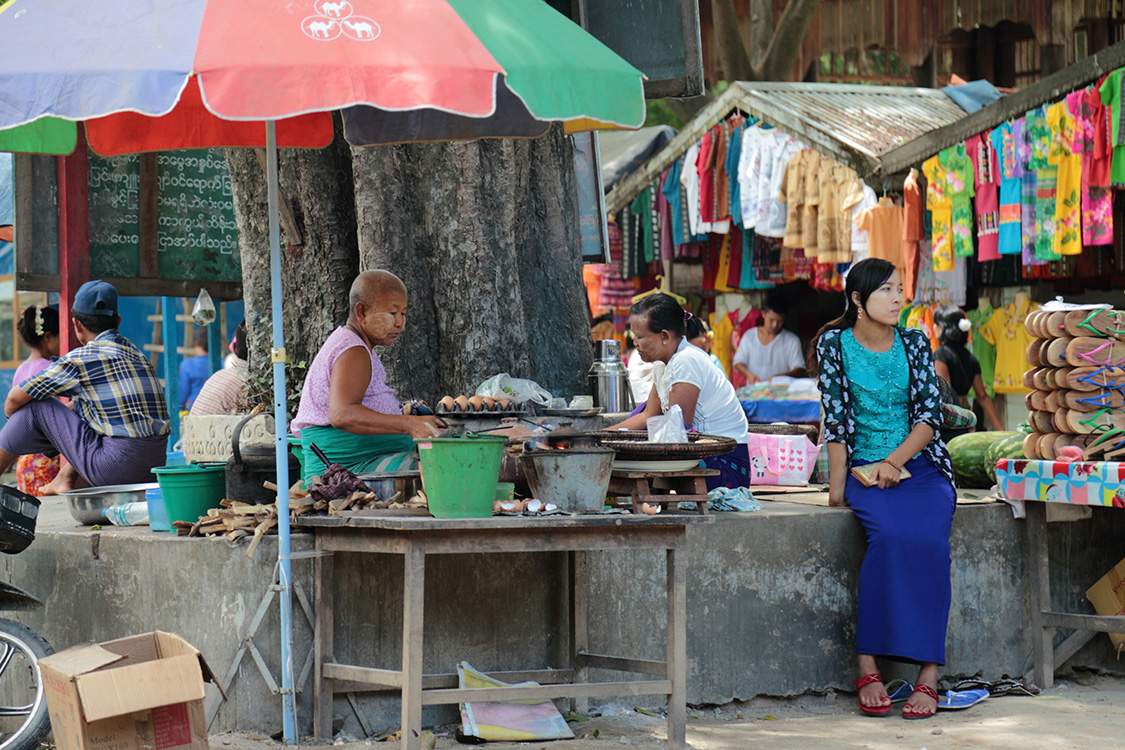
(478, 406)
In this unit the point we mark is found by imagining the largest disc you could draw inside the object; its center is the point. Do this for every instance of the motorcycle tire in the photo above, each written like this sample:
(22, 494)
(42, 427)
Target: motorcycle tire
(24, 721)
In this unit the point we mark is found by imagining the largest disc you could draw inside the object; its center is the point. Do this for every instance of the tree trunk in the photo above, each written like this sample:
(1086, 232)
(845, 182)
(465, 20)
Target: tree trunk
(785, 44)
(318, 266)
(728, 39)
(485, 237)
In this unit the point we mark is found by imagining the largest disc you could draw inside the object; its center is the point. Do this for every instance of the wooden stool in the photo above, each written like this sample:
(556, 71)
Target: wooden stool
(406, 482)
(690, 486)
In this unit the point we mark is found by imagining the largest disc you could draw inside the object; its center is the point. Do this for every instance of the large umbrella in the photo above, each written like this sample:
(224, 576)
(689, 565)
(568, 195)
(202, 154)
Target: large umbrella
(170, 74)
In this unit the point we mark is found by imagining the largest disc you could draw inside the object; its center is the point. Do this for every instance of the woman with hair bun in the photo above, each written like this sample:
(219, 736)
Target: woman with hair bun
(957, 365)
(684, 375)
(39, 328)
(882, 407)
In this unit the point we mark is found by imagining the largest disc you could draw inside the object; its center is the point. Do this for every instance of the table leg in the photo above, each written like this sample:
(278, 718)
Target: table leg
(413, 600)
(322, 688)
(1042, 638)
(676, 651)
(579, 624)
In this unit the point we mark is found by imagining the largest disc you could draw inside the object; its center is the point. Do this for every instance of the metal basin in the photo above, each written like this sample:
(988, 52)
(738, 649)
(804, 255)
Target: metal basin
(86, 505)
(575, 480)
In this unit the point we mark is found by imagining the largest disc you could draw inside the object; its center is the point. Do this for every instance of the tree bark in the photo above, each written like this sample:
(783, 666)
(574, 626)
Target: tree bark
(728, 38)
(785, 44)
(484, 235)
(317, 272)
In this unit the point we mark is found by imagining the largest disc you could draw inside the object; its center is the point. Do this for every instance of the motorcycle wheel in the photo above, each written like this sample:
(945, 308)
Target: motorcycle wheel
(23, 705)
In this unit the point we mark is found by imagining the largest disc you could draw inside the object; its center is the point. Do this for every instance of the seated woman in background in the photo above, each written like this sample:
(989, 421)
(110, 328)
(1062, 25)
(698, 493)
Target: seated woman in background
(225, 391)
(684, 375)
(957, 365)
(39, 329)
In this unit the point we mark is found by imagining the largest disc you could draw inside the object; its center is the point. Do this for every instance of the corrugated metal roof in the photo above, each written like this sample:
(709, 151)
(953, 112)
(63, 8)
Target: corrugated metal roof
(856, 125)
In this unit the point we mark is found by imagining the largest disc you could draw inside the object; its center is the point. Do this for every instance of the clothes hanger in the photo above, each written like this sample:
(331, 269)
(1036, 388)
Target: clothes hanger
(662, 288)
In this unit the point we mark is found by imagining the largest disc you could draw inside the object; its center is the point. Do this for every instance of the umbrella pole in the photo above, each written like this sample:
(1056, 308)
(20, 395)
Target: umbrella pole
(281, 430)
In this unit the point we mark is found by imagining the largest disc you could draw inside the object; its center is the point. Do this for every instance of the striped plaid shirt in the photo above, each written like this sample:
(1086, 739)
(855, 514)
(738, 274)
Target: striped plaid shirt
(112, 385)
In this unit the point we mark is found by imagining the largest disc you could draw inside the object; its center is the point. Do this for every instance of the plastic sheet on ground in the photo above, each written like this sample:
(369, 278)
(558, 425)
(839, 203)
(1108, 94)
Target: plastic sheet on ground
(516, 721)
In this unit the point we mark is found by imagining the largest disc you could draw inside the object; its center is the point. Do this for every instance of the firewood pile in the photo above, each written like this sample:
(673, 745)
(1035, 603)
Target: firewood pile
(237, 521)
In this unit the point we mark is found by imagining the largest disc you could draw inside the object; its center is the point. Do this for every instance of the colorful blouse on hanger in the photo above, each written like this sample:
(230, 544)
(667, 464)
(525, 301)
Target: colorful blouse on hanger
(1097, 200)
(987, 200)
(959, 188)
(941, 211)
(1038, 135)
(1067, 239)
(1111, 97)
(1009, 174)
(1029, 193)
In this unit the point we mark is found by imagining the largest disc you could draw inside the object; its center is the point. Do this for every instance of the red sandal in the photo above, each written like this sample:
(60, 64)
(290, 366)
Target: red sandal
(863, 682)
(907, 710)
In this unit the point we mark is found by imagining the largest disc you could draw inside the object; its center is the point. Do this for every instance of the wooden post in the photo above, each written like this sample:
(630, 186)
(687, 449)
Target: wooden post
(168, 306)
(413, 605)
(1039, 583)
(149, 189)
(74, 234)
(325, 621)
(676, 653)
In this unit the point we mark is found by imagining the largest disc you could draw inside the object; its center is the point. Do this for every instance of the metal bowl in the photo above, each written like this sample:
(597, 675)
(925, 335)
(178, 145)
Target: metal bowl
(86, 505)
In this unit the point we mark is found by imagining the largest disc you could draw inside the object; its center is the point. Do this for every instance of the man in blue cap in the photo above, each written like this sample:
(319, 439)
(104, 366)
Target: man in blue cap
(117, 428)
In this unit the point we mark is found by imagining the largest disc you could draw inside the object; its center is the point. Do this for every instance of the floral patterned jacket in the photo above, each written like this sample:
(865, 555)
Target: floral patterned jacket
(925, 397)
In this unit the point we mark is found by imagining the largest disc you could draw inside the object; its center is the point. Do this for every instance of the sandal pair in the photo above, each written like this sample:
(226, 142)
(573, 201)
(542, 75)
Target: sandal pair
(898, 690)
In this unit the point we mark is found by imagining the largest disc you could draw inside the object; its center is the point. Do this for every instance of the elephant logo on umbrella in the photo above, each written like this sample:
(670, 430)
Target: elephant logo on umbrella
(336, 18)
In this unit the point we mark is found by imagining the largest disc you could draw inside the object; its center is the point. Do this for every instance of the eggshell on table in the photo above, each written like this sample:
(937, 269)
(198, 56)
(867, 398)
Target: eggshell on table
(650, 509)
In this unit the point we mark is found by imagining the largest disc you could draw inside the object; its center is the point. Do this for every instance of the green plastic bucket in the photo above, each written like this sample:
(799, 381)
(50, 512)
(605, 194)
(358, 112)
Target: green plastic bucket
(459, 475)
(190, 491)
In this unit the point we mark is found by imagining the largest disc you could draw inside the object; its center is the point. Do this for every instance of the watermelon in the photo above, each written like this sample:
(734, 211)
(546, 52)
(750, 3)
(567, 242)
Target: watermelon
(968, 455)
(1006, 447)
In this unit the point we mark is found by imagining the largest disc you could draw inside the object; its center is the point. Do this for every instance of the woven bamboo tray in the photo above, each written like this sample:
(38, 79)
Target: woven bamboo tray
(633, 445)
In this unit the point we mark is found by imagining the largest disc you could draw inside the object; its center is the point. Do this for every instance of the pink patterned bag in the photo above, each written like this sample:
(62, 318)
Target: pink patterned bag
(781, 459)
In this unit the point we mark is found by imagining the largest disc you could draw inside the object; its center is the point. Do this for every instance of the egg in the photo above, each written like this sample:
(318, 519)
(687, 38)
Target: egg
(462, 403)
(650, 509)
(503, 403)
(447, 404)
(489, 403)
(476, 402)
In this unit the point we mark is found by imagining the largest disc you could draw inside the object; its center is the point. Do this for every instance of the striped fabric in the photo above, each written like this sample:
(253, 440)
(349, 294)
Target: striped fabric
(112, 385)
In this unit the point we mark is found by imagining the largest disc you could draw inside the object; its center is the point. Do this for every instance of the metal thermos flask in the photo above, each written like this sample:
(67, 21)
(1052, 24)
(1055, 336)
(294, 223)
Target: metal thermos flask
(609, 380)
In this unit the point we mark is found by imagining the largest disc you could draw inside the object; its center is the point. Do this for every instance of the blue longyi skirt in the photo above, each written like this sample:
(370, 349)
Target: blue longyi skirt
(904, 586)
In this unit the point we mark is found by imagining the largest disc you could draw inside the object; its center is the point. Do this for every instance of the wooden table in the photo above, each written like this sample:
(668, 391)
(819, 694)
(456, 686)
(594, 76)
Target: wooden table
(416, 538)
(1039, 483)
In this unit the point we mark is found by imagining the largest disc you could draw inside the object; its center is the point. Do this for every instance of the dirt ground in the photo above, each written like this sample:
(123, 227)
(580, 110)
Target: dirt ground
(1082, 712)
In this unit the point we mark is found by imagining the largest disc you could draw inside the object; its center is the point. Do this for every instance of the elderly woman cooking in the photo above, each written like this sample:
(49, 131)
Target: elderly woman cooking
(347, 409)
(684, 375)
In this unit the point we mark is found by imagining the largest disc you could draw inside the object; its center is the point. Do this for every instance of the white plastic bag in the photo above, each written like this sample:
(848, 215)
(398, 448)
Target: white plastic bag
(518, 390)
(204, 310)
(668, 427)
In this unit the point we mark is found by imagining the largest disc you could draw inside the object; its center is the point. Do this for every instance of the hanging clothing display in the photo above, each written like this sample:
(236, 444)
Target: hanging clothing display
(1005, 330)
(987, 198)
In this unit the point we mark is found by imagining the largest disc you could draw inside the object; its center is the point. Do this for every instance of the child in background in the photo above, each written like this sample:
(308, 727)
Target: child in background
(39, 329)
(699, 334)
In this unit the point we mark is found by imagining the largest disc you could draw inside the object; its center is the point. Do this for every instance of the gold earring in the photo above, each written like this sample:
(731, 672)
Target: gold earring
(859, 312)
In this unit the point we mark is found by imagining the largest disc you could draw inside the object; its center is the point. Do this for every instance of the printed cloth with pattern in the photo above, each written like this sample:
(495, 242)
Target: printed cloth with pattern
(924, 395)
(112, 385)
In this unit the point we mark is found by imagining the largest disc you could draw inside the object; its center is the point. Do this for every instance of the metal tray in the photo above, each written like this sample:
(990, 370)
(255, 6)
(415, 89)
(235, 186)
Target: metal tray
(573, 412)
(481, 414)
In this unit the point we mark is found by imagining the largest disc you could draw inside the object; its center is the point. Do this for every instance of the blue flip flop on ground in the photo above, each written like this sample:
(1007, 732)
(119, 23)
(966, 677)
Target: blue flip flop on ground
(955, 700)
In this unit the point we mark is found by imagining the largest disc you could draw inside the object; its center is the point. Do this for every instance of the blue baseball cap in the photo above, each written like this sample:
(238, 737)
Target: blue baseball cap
(95, 298)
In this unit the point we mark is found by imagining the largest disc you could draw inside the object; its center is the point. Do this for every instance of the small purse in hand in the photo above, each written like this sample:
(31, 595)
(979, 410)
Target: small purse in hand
(866, 474)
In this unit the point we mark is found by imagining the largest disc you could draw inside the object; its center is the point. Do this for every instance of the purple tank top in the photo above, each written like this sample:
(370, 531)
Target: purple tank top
(314, 394)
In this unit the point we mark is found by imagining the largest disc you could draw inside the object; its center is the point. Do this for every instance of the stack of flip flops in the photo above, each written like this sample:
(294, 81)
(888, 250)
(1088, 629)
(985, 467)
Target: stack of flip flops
(998, 687)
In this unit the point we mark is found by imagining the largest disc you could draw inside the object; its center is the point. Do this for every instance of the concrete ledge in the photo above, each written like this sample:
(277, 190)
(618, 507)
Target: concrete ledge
(771, 603)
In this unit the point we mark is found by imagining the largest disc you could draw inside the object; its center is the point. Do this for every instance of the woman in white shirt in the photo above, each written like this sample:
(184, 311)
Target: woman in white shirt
(684, 375)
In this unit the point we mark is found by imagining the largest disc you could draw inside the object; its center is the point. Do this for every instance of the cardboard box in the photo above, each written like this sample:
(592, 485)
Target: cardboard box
(1108, 598)
(144, 692)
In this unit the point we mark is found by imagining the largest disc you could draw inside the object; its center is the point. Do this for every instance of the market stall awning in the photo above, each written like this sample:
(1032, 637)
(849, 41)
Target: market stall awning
(856, 125)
